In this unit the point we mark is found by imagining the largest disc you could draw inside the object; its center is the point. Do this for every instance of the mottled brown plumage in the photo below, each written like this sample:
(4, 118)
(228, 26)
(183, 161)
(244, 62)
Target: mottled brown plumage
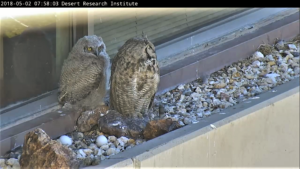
(85, 74)
(134, 78)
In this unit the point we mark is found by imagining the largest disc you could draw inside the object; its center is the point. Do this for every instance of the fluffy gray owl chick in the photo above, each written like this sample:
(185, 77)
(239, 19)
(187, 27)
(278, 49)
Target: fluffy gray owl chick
(134, 78)
(85, 74)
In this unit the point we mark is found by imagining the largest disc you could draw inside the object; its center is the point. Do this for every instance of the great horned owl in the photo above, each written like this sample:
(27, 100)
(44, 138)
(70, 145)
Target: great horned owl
(85, 74)
(134, 78)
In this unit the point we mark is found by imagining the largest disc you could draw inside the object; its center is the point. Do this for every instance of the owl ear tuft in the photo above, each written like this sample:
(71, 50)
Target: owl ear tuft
(100, 38)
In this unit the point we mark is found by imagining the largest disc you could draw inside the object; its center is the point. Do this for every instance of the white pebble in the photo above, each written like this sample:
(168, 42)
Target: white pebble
(292, 46)
(256, 63)
(119, 142)
(198, 90)
(200, 114)
(272, 76)
(212, 126)
(81, 152)
(100, 152)
(187, 121)
(270, 58)
(65, 140)
(101, 140)
(258, 55)
(181, 123)
(180, 87)
(207, 113)
(181, 98)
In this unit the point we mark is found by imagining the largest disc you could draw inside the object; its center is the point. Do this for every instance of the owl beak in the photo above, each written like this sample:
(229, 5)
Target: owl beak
(96, 53)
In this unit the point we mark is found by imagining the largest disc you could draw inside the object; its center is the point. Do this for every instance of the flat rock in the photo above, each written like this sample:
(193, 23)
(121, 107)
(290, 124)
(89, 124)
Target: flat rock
(89, 119)
(114, 123)
(39, 151)
(156, 128)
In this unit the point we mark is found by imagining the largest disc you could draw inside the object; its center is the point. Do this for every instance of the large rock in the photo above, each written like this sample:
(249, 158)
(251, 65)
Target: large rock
(89, 119)
(156, 128)
(114, 123)
(39, 151)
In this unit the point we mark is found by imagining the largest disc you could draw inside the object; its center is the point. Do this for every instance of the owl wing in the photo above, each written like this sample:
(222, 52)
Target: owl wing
(79, 77)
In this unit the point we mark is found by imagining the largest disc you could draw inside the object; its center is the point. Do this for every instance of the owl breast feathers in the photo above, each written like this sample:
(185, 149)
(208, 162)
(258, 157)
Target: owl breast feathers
(134, 78)
(85, 74)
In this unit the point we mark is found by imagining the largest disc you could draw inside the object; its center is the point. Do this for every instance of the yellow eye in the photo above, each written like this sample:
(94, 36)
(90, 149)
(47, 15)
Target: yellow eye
(89, 48)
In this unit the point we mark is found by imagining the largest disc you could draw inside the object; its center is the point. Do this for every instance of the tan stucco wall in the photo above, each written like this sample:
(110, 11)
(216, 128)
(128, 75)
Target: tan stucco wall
(267, 137)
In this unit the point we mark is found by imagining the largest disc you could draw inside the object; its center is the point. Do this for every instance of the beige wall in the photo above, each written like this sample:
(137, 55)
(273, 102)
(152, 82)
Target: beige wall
(268, 137)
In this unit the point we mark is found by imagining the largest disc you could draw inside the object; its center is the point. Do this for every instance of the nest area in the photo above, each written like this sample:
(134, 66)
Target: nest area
(269, 66)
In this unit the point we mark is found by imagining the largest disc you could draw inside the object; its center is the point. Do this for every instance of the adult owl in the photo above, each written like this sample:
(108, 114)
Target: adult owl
(85, 74)
(134, 78)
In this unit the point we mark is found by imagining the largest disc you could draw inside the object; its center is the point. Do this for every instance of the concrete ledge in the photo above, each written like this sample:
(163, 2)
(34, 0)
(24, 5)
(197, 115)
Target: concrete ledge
(263, 133)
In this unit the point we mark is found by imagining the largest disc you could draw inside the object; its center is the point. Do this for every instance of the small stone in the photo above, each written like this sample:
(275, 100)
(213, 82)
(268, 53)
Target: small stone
(270, 58)
(198, 90)
(181, 123)
(119, 142)
(105, 147)
(13, 162)
(96, 160)
(181, 98)
(200, 114)
(292, 46)
(111, 151)
(258, 55)
(81, 152)
(100, 152)
(219, 85)
(92, 146)
(207, 113)
(102, 157)
(112, 138)
(271, 63)
(80, 135)
(101, 140)
(249, 76)
(88, 161)
(187, 121)
(196, 96)
(88, 151)
(131, 141)
(111, 145)
(255, 64)
(2, 163)
(124, 139)
(180, 87)
(280, 45)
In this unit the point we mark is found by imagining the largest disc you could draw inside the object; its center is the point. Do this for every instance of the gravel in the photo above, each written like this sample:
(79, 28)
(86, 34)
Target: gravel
(190, 103)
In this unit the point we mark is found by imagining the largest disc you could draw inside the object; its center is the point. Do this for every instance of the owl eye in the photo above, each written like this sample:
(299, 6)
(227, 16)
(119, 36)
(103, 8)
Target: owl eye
(100, 48)
(89, 48)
